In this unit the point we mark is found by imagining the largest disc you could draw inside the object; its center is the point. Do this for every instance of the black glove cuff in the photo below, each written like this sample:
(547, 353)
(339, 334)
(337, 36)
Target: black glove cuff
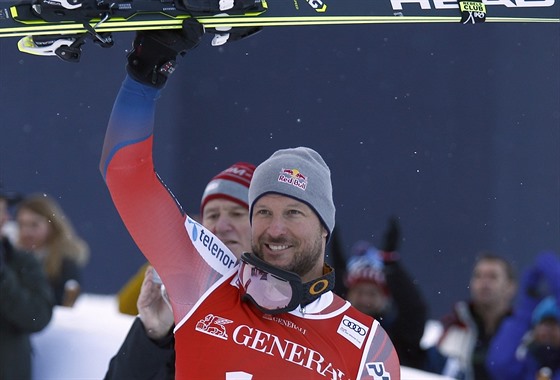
(154, 54)
(153, 75)
(151, 62)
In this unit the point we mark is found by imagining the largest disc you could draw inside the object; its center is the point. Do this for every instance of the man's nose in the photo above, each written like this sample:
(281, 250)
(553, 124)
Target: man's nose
(277, 226)
(223, 223)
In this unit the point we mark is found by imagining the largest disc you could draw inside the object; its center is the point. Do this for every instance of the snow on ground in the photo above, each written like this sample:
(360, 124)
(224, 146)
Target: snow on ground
(79, 342)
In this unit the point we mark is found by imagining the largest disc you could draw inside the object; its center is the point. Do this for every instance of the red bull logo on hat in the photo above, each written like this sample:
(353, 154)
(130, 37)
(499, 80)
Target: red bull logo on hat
(293, 177)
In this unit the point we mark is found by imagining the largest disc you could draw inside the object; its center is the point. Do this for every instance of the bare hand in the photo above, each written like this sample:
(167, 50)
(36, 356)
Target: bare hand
(155, 312)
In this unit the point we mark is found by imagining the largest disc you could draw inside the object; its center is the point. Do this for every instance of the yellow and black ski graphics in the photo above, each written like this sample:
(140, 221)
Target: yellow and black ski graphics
(18, 20)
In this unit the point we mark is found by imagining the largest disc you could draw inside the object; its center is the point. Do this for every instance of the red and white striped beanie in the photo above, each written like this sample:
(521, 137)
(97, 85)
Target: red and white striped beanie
(231, 184)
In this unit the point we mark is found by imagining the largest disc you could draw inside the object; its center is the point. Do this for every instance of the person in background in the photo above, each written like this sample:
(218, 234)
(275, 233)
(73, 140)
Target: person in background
(469, 328)
(26, 304)
(527, 345)
(45, 230)
(148, 350)
(378, 285)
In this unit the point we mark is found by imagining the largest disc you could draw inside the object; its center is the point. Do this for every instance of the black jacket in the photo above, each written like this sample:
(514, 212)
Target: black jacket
(143, 358)
(406, 319)
(26, 306)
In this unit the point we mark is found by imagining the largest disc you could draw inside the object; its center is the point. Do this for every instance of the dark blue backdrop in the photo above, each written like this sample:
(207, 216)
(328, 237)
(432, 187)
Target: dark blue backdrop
(454, 129)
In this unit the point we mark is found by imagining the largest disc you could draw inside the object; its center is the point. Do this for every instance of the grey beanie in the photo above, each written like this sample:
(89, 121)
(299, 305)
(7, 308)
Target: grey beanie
(299, 173)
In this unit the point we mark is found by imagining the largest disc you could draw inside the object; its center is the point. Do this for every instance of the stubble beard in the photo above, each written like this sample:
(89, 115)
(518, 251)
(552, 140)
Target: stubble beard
(305, 257)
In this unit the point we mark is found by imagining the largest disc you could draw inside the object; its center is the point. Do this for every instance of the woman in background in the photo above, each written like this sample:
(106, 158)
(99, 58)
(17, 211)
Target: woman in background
(45, 230)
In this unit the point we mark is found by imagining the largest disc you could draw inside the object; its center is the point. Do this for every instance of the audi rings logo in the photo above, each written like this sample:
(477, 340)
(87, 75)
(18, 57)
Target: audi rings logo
(354, 326)
(353, 330)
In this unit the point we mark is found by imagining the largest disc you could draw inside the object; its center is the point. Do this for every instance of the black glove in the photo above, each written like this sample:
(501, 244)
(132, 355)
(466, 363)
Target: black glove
(392, 236)
(154, 53)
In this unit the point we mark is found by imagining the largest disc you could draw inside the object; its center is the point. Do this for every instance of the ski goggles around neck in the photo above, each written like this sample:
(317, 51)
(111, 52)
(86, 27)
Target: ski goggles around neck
(273, 290)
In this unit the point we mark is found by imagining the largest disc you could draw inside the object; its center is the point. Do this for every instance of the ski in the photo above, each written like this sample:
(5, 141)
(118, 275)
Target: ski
(60, 27)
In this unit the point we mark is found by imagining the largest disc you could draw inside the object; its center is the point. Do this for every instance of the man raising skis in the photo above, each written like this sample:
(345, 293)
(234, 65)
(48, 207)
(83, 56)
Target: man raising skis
(273, 314)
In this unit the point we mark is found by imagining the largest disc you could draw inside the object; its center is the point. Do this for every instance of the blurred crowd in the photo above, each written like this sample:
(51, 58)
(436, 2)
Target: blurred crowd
(506, 329)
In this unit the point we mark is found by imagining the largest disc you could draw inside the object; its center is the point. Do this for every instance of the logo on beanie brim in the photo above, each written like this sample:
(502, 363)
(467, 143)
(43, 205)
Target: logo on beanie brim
(293, 177)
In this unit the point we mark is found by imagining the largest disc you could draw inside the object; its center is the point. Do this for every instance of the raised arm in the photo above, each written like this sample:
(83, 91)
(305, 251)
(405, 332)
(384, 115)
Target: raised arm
(149, 210)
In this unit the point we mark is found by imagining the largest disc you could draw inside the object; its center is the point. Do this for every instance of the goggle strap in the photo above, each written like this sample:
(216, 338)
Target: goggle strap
(315, 288)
